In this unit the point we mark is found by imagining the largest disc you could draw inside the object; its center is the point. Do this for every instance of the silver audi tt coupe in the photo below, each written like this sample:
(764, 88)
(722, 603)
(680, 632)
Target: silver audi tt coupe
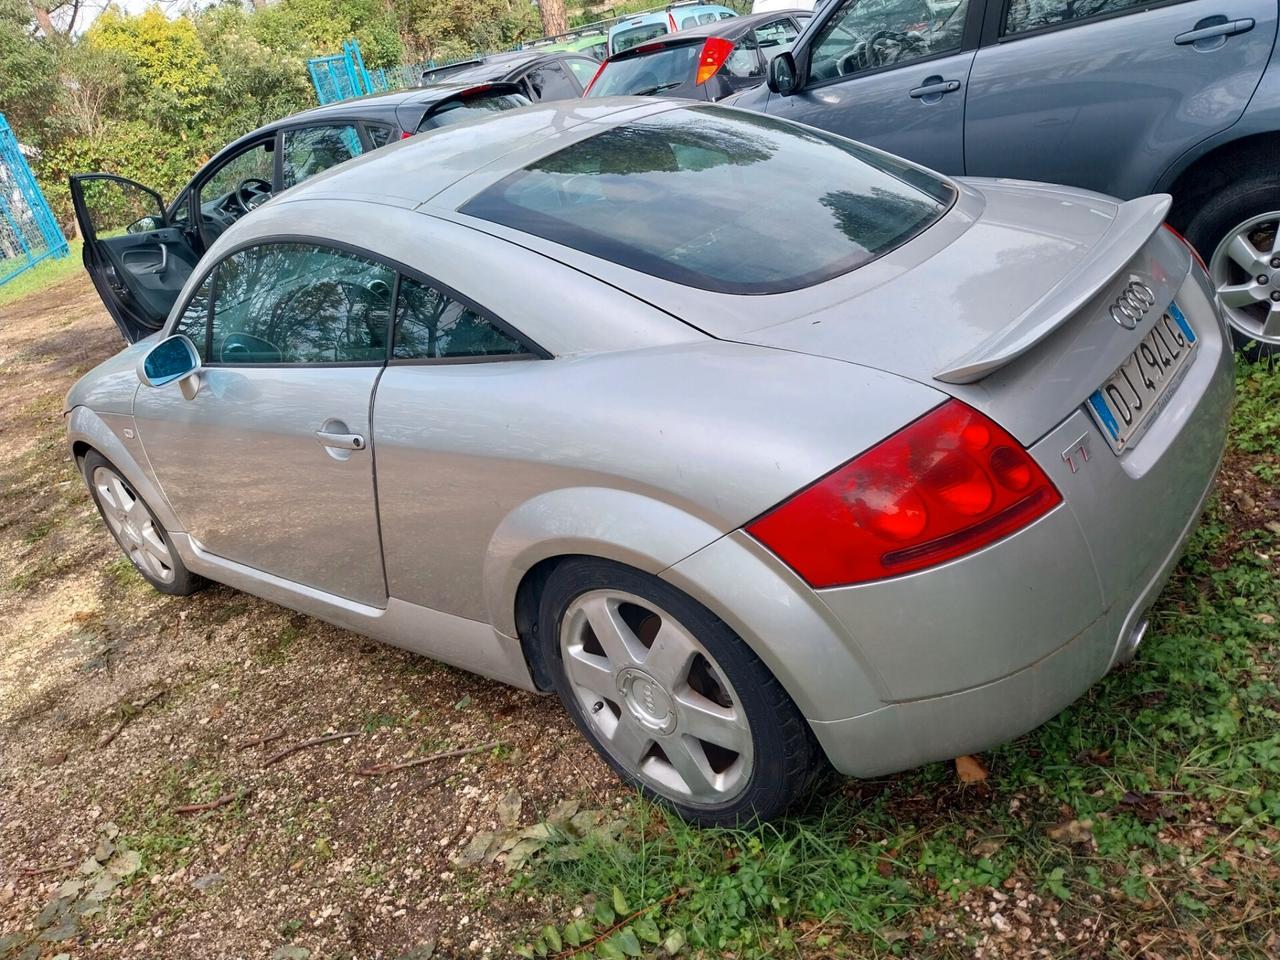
(764, 450)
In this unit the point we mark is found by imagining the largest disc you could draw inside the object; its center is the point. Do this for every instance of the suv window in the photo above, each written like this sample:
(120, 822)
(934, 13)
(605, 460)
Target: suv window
(257, 162)
(664, 195)
(379, 135)
(866, 34)
(312, 150)
(432, 326)
(743, 62)
(776, 37)
(582, 69)
(550, 82)
(299, 303)
(1027, 15)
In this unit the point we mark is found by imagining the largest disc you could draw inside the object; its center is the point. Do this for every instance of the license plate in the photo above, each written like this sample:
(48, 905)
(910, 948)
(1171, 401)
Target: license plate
(1124, 405)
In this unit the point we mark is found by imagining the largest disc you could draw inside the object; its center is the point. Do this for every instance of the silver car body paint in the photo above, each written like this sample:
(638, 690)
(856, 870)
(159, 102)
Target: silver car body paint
(666, 418)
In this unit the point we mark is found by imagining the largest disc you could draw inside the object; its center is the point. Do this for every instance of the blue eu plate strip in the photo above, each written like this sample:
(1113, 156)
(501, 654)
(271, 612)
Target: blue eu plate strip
(1180, 319)
(1104, 413)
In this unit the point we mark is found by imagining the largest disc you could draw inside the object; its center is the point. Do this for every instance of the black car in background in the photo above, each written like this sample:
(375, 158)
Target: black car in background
(139, 252)
(702, 63)
(546, 75)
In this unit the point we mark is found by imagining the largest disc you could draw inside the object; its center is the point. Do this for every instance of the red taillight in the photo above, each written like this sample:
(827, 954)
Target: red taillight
(941, 487)
(406, 134)
(1187, 243)
(714, 53)
(599, 70)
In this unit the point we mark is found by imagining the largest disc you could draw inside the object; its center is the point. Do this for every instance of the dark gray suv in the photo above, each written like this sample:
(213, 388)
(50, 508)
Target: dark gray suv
(1127, 97)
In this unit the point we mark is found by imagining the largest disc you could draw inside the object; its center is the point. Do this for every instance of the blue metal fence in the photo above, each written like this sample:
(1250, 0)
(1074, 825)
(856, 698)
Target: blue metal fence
(28, 231)
(342, 76)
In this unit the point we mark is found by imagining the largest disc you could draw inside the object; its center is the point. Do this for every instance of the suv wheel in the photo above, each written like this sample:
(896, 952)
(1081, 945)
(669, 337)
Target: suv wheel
(1238, 231)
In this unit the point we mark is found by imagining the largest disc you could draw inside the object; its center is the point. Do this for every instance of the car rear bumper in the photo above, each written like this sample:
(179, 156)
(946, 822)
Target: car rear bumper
(964, 656)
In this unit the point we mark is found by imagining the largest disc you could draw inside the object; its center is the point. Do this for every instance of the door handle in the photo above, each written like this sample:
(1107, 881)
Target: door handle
(1225, 28)
(340, 441)
(934, 87)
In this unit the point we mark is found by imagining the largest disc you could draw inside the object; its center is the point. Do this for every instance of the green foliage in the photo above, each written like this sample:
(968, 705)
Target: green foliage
(443, 30)
(28, 67)
(1089, 812)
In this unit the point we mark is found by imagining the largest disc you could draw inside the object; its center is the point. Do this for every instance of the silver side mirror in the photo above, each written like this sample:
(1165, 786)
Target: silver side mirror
(174, 358)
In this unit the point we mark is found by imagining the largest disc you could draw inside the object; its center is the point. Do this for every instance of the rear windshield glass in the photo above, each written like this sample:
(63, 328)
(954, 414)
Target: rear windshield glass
(647, 73)
(626, 39)
(720, 199)
(455, 111)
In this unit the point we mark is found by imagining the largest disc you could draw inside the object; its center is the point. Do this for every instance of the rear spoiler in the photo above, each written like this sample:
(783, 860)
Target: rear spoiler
(1133, 226)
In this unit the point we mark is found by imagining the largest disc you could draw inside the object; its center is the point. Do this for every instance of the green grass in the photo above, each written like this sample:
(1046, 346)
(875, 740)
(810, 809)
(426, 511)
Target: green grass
(44, 274)
(1167, 770)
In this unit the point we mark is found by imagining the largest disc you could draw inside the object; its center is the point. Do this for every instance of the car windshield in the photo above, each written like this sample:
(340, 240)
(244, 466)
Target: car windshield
(647, 73)
(455, 111)
(626, 39)
(721, 200)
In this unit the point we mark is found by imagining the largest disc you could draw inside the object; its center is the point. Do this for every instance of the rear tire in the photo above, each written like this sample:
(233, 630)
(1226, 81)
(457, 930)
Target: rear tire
(670, 697)
(1247, 208)
(140, 535)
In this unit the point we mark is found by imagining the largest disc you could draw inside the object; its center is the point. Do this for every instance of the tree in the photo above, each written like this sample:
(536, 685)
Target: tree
(554, 18)
(28, 70)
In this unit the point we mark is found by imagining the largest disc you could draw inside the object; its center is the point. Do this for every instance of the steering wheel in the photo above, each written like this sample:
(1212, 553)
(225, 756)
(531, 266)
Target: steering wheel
(252, 192)
(877, 51)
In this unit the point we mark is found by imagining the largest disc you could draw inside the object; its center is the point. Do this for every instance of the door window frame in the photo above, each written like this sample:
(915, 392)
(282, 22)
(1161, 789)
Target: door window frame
(970, 37)
(401, 270)
(996, 21)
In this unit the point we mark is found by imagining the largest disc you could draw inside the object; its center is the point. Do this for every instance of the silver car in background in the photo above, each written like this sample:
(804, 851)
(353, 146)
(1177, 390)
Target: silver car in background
(764, 450)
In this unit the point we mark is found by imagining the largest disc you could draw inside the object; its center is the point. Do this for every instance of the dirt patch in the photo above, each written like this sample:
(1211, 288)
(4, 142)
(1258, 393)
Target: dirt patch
(307, 852)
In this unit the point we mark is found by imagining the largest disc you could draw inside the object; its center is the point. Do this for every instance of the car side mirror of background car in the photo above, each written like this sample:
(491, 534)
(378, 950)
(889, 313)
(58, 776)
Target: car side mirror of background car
(174, 358)
(782, 74)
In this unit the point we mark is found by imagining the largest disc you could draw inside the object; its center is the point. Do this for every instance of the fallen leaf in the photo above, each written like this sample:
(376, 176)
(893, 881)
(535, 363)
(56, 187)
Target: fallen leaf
(970, 769)
(988, 846)
(1072, 831)
(477, 849)
(562, 812)
(509, 808)
(1145, 807)
(290, 952)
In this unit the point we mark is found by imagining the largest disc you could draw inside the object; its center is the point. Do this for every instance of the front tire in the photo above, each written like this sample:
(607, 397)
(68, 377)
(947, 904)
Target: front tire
(140, 535)
(1237, 231)
(670, 697)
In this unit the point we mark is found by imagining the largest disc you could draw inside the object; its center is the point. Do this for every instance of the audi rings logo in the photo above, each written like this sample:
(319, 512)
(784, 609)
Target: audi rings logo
(1132, 305)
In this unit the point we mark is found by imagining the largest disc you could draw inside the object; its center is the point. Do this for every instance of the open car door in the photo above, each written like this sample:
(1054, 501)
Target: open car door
(137, 261)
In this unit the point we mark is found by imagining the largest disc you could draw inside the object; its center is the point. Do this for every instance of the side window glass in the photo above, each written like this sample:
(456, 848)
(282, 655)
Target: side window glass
(583, 70)
(117, 207)
(379, 135)
(743, 62)
(431, 326)
(776, 37)
(726, 16)
(194, 322)
(688, 22)
(312, 150)
(868, 34)
(550, 82)
(256, 163)
(1027, 15)
(300, 303)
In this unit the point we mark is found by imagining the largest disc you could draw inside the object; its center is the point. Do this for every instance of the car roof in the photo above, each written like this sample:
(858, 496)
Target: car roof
(494, 67)
(412, 172)
(735, 27)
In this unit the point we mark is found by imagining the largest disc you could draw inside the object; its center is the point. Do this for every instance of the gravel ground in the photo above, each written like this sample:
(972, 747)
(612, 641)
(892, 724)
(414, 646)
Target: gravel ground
(308, 856)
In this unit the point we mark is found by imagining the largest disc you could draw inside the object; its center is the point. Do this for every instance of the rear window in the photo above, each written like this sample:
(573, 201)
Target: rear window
(466, 108)
(626, 39)
(647, 73)
(721, 200)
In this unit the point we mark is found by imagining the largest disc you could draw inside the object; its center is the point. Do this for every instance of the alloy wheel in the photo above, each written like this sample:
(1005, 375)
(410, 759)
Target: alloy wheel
(1246, 273)
(657, 700)
(131, 523)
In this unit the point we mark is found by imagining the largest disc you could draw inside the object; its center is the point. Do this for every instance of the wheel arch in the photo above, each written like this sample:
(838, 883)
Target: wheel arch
(1195, 178)
(89, 430)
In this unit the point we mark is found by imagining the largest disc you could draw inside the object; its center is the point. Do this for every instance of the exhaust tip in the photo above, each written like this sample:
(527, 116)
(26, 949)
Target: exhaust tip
(1129, 648)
